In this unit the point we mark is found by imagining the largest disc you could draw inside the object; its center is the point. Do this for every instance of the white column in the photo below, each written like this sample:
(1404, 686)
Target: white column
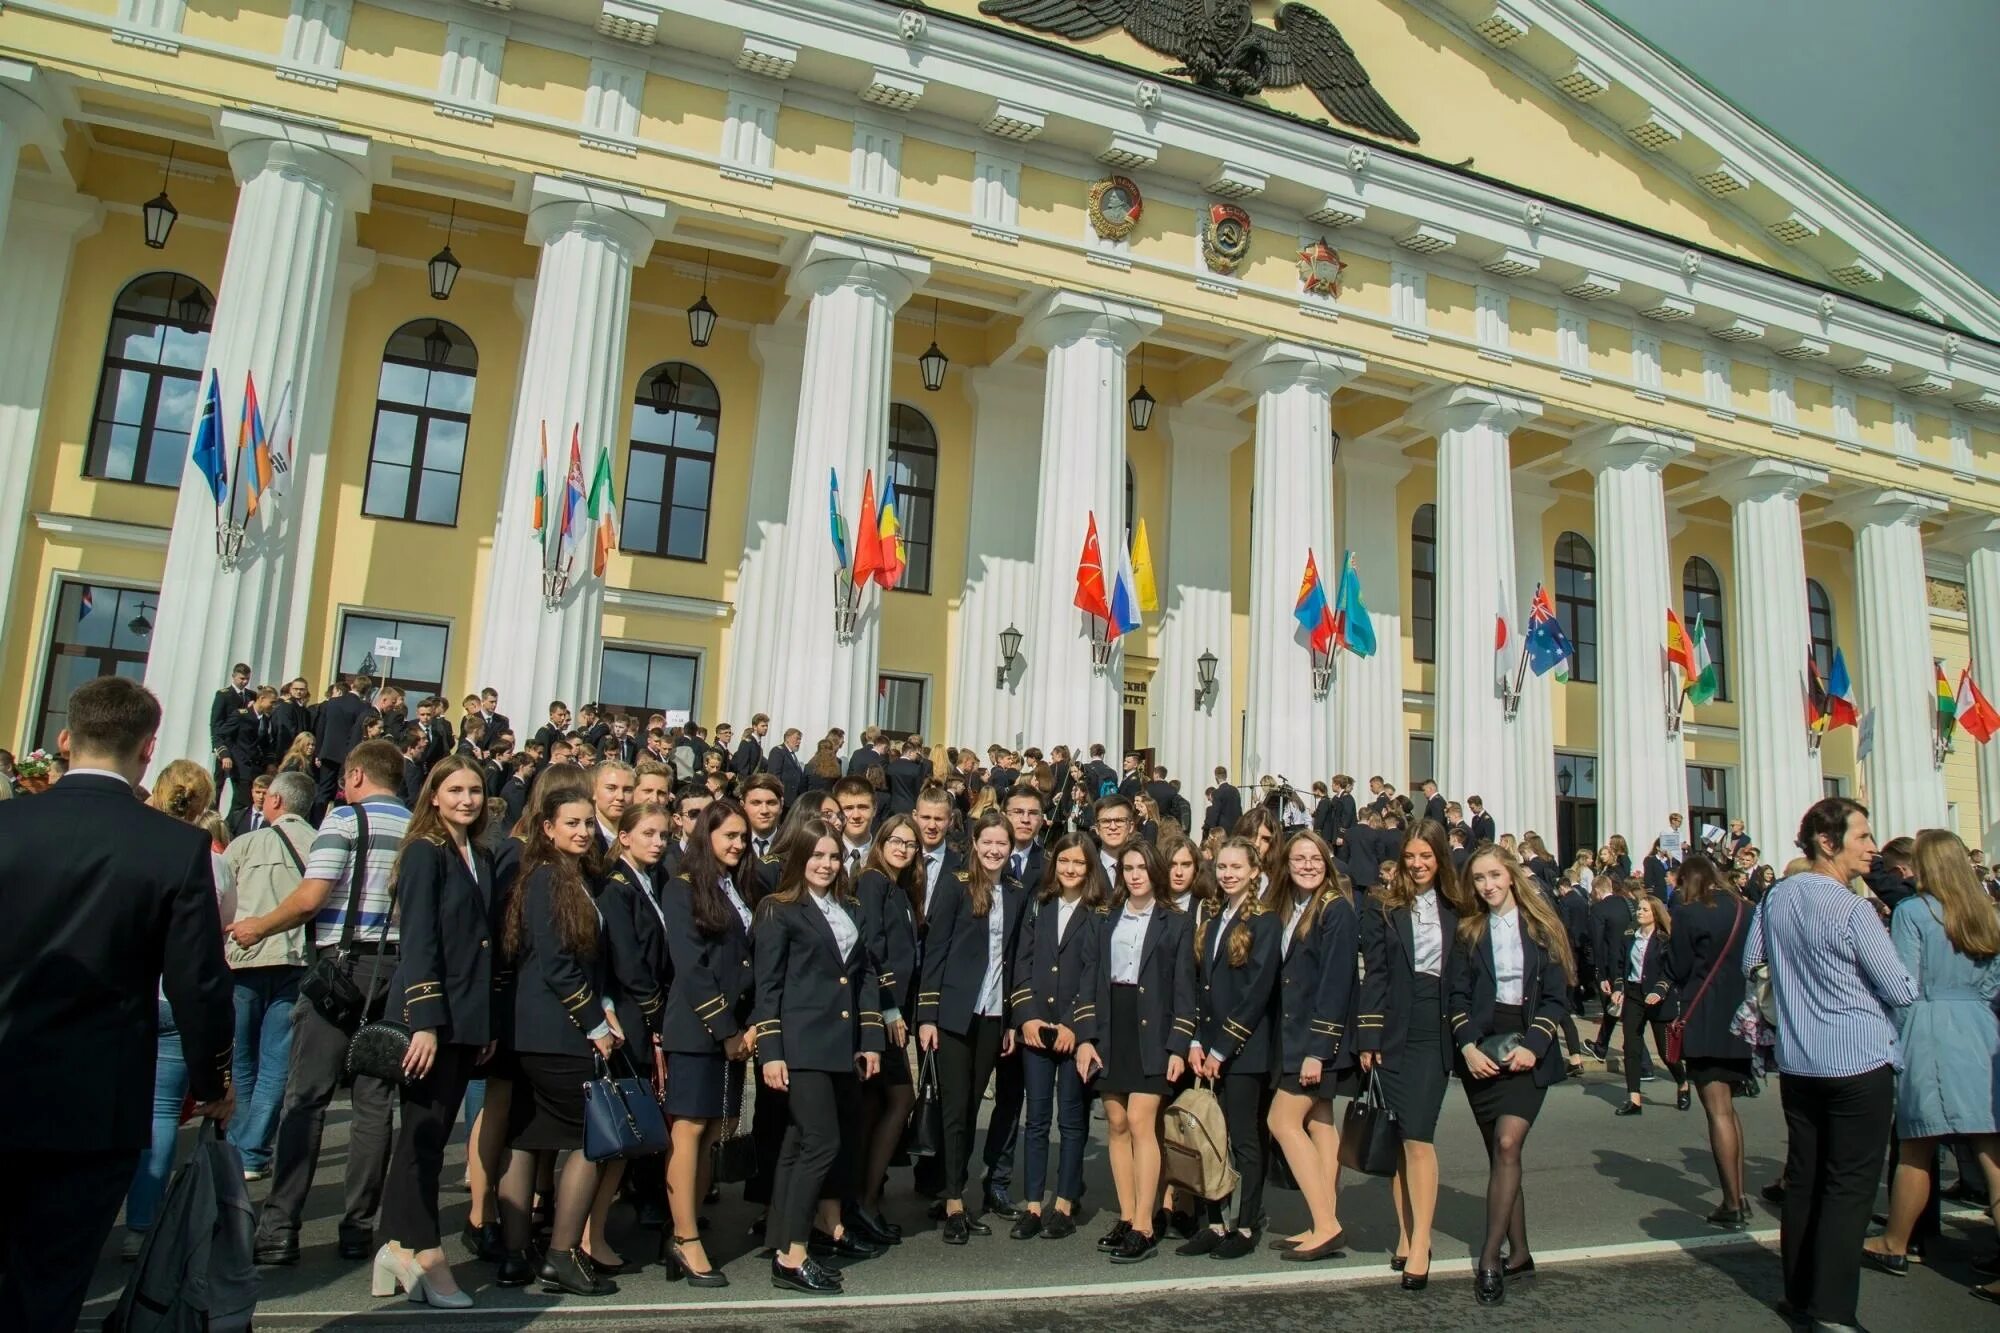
(1772, 642)
(999, 589)
(1896, 679)
(280, 283)
(34, 271)
(1637, 777)
(756, 633)
(1070, 701)
(818, 681)
(1531, 735)
(1289, 730)
(572, 375)
(1979, 539)
(1193, 566)
(23, 120)
(1368, 691)
(1475, 563)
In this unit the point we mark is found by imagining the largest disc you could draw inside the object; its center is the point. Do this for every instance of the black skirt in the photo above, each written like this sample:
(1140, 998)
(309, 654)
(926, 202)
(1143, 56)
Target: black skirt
(1413, 1083)
(1332, 1083)
(547, 1109)
(895, 1068)
(1706, 1069)
(1123, 1072)
(702, 1084)
(1512, 1092)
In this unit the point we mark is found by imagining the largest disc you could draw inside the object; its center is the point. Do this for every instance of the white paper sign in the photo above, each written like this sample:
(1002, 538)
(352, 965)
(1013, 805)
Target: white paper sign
(388, 648)
(676, 718)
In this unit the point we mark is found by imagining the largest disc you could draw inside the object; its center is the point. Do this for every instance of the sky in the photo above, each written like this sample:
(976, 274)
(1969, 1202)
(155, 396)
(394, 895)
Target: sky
(1899, 100)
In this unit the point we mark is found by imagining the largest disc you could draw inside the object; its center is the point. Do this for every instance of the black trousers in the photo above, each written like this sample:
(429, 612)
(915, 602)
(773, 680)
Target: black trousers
(1836, 1129)
(1636, 1018)
(430, 1111)
(54, 1215)
(964, 1063)
(769, 1119)
(1010, 1086)
(820, 1145)
(1246, 1102)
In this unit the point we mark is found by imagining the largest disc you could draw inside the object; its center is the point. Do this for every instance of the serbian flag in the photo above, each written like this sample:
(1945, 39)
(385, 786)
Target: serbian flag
(1841, 710)
(1090, 597)
(572, 515)
(250, 437)
(894, 560)
(833, 518)
(1353, 628)
(867, 536)
(1315, 617)
(1680, 649)
(603, 511)
(1124, 596)
(1976, 717)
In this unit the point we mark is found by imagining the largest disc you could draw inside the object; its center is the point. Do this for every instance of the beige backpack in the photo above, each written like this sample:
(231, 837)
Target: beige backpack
(1194, 1146)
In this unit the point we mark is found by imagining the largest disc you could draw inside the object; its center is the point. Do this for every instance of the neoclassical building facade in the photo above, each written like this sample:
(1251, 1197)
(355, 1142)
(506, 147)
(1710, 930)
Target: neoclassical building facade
(1491, 295)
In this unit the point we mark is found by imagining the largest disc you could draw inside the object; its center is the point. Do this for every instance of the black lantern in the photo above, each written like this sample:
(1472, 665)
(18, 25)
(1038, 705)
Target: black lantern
(1140, 406)
(193, 309)
(933, 362)
(437, 344)
(661, 392)
(1562, 781)
(159, 212)
(444, 264)
(139, 624)
(701, 315)
(1010, 652)
(1204, 690)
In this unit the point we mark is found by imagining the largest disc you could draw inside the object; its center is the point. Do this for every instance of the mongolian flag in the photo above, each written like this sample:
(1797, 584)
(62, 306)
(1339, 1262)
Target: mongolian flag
(833, 518)
(867, 536)
(894, 560)
(1315, 617)
(250, 437)
(1090, 597)
(1976, 717)
(603, 511)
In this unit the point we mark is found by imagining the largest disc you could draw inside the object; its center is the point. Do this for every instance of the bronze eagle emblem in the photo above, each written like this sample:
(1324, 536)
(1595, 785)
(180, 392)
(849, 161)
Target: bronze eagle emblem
(1220, 46)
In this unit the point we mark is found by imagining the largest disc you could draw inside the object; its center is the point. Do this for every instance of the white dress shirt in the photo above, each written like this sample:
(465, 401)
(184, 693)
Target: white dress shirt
(1221, 932)
(1637, 961)
(996, 957)
(933, 867)
(736, 900)
(1509, 966)
(1128, 939)
(1291, 920)
(844, 931)
(1427, 928)
(1065, 909)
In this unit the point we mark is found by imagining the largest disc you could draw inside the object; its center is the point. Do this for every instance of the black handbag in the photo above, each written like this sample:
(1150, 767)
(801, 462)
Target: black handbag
(1499, 1046)
(621, 1117)
(733, 1157)
(926, 1136)
(1371, 1138)
(328, 985)
(377, 1050)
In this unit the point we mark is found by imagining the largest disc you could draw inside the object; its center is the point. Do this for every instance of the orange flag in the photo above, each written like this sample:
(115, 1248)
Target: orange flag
(867, 536)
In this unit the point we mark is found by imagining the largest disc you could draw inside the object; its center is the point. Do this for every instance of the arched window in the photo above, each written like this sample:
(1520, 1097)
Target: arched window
(913, 456)
(151, 381)
(1819, 621)
(423, 408)
(1423, 582)
(670, 471)
(1576, 603)
(1701, 595)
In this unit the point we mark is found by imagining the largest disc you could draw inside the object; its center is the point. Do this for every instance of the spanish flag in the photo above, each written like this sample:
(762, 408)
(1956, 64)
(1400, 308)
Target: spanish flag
(1680, 649)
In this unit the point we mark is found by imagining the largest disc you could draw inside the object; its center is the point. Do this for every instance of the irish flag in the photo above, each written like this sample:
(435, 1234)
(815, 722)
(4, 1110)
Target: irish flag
(1703, 683)
(603, 511)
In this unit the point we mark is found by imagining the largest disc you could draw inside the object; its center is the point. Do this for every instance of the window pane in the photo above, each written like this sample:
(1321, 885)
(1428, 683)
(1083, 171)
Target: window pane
(423, 650)
(125, 397)
(652, 427)
(179, 398)
(168, 458)
(402, 383)
(451, 391)
(115, 450)
(670, 683)
(622, 678)
(395, 437)
(444, 445)
(134, 340)
(357, 640)
(388, 491)
(184, 349)
(687, 534)
(918, 579)
(645, 475)
(691, 483)
(437, 497)
(640, 530)
(694, 430)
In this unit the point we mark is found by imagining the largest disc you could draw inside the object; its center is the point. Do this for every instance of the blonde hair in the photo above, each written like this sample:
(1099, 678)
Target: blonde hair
(1663, 923)
(1543, 926)
(183, 790)
(1945, 873)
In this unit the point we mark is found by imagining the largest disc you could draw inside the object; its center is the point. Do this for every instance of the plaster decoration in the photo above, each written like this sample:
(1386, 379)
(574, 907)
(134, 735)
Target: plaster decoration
(1784, 408)
(1320, 267)
(1583, 81)
(1358, 159)
(1532, 212)
(1715, 387)
(1690, 262)
(767, 56)
(1985, 401)
(1490, 315)
(1869, 368)
(1146, 94)
(749, 136)
(469, 76)
(1428, 238)
(1903, 424)
(1654, 132)
(1573, 341)
(1594, 287)
(1501, 26)
(1805, 349)
(1846, 428)
(636, 22)
(1115, 208)
(1338, 210)
(1859, 271)
(876, 163)
(996, 195)
(1739, 331)
(1722, 179)
(1646, 371)
(911, 25)
(893, 89)
(1669, 309)
(1793, 228)
(1828, 303)
(1235, 181)
(1511, 263)
(1014, 122)
(1129, 152)
(611, 104)
(1928, 386)
(315, 39)
(1225, 238)
(1409, 290)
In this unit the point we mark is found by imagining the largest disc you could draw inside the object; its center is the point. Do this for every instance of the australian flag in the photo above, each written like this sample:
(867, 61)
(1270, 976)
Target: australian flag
(1545, 644)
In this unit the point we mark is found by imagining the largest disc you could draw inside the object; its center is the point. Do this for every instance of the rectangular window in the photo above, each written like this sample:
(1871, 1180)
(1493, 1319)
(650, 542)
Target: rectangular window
(1833, 786)
(641, 681)
(1708, 799)
(416, 668)
(1423, 759)
(899, 705)
(99, 631)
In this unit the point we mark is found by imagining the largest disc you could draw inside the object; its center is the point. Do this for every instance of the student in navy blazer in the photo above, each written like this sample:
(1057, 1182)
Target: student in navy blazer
(1511, 972)
(1318, 940)
(891, 894)
(443, 885)
(1237, 957)
(1650, 999)
(1055, 1007)
(818, 1016)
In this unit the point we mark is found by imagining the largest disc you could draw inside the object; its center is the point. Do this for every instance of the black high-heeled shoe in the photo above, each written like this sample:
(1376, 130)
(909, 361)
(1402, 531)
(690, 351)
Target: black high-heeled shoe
(1630, 1108)
(1683, 1098)
(568, 1270)
(1417, 1281)
(680, 1268)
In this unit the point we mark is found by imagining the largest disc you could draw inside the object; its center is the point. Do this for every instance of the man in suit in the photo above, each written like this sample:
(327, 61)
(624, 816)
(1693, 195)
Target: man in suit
(1097, 775)
(293, 714)
(749, 759)
(1132, 780)
(489, 709)
(871, 754)
(1166, 797)
(906, 775)
(335, 731)
(228, 700)
(251, 819)
(1480, 822)
(785, 766)
(1433, 802)
(109, 905)
(557, 727)
(592, 728)
(249, 746)
(623, 744)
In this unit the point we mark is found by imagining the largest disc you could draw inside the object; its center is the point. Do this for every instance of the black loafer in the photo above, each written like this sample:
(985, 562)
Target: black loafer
(873, 1226)
(1200, 1243)
(1895, 1265)
(276, 1254)
(357, 1246)
(1524, 1269)
(1058, 1225)
(1981, 1293)
(808, 1277)
(1182, 1224)
(1730, 1219)
(1489, 1285)
(1630, 1108)
(957, 1231)
(1234, 1245)
(847, 1245)
(1026, 1227)
(1683, 1099)
(1774, 1192)
(1137, 1247)
(515, 1271)
(1108, 1242)
(1298, 1254)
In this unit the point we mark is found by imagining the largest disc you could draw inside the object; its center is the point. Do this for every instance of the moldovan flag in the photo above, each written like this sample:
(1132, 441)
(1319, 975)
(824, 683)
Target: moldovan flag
(1947, 704)
(250, 436)
(1315, 617)
(891, 532)
(1680, 652)
(1090, 576)
(1142, 570)
(867, 535)
(603, 511)
(1819, 704)
(1976, 717)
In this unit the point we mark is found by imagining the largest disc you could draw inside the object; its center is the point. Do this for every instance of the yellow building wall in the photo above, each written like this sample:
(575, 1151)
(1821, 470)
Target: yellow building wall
(386, 44)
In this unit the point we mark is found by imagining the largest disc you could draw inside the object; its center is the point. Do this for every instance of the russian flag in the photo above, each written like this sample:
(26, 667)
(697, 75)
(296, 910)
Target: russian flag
(1124, 596)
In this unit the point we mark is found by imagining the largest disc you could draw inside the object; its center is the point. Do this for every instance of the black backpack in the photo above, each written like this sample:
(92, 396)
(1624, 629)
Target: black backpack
(196, 1271)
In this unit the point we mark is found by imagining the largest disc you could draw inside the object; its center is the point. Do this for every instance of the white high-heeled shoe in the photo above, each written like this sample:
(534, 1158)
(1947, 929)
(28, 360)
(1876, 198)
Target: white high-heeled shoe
(394, 1269)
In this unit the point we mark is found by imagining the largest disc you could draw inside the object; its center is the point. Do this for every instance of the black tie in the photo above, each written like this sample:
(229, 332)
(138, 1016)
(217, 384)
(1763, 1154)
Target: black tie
(762, 845)
(854, 859)
(1015, 864)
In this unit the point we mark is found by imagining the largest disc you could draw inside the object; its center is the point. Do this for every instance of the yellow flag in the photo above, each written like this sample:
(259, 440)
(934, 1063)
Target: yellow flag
(1142, 570)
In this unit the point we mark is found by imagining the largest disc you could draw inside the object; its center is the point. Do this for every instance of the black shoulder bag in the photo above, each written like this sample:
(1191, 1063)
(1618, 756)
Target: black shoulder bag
(328, 985)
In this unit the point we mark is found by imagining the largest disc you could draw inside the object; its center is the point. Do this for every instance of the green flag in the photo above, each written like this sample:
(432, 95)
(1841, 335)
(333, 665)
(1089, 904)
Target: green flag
(1705, 683)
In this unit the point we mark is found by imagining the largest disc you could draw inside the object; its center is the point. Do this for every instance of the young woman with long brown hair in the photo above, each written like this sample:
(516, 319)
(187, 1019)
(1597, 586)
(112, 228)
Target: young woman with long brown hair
(1190, 880)
(1319, 943)
(1649, 999)
(891, 894)
(1711, 924)
(1510, 975)
(1406, 939)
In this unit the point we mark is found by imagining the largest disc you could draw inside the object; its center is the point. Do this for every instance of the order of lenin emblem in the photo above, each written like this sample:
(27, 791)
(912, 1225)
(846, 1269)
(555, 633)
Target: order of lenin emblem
(1320, 267)
(1115, 206)
(1225, 238)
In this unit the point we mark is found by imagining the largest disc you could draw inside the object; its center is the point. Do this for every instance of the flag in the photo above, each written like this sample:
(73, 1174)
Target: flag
(867, 535)
(1143, 582)
(1545, 644)
(1503, 636)
(281, 443)
(894, 560)
(1680, 653)
(1864, 744)
(1704, 683)
(572, 514)
(542, 496)
(251, 439)
(1819, 705)
(85, 606)
(1124, 596)
(1947, 704)
(833, 518)
(208, 459)
(1841, 711)
(1353, 627)
(603, 511)
(1978, 718)
(1315, 617)
(1090, 577)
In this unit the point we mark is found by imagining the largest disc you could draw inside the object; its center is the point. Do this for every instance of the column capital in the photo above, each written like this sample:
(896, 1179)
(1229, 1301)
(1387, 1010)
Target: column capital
(25, 96)
(1372, 463)
(260, 141)
(1065, 316)
(1279, 364)
(1746, 480)
(1021, 383)
(828, 262)
(1533, 496)
(1971, 532)
(1881, 509)
(1619, 445)
(558, 204)
(1208, 428)
(1463, 406)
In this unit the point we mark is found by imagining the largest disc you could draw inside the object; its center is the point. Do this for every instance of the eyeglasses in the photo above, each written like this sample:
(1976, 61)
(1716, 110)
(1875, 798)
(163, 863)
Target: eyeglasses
(1113, 823)
(900, 844)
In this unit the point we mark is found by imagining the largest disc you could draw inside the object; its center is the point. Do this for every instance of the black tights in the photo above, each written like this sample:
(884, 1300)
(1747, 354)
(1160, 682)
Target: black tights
(576, 1189)
(1725, 1139)
(1506, 1204)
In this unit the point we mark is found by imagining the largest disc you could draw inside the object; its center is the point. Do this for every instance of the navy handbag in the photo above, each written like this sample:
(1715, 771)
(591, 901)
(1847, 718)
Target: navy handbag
(621, 1117)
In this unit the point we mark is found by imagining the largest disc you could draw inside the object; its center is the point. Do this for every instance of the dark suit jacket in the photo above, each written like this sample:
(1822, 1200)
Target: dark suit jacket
(1434, 808)
(222, 708)
(785, 766)
(906, 778)
(749, 760)
(1236, 1022)
(104, 899)
(709, 1001)
(1388, 950)
(445, 974)
(1482, 828)
(1474, 992)
(955, 951)
(1708, 942)
(292, 719)
(1344, 815)
(816, 1008)
(1228, 807)
(1055, 976)
(1610, 918)
(889, 929)
(337, 727)
(556, 992)
(250, 742)
(1316, 988)
(1166, 990)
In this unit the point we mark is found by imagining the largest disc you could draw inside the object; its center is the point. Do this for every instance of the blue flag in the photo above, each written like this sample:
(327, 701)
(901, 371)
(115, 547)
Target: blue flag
(208, 452)
(1546, 646)
(1355, 629)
